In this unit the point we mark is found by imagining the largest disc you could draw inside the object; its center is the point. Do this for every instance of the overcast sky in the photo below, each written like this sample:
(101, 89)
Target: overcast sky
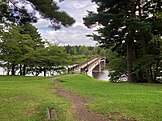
(74, 35)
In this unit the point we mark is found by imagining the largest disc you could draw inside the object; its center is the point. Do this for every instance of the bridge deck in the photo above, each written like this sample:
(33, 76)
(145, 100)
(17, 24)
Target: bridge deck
(88, 65)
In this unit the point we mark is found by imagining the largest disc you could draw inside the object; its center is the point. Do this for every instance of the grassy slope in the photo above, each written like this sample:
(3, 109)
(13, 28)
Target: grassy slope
(141, 101)
(27, 99)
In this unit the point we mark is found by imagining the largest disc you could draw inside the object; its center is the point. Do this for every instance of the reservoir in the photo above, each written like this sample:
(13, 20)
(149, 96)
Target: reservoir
(103, 75)
(97, 75)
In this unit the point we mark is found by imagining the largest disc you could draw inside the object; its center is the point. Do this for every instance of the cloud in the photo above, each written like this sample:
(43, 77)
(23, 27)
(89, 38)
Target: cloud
(74, 35)
(77, 8)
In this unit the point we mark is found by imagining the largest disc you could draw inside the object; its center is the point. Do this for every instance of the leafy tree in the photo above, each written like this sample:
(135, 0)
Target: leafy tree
(48, 59)
(14, 47)
(83, 50)
(127, 27)
(36, 44)
(117, 68)
(71, 50)
(47, 8)
(29, 29)
(24, 54)
(21, 52)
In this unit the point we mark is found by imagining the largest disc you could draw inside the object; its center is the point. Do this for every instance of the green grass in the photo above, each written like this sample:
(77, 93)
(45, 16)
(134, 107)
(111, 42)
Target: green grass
(27, 99)
(116, 100)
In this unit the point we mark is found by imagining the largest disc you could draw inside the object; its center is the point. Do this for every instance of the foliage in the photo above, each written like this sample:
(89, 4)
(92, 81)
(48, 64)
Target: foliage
(117, 68)
(23, 51)
(14, 47)
(128, 28)
(29, 29)
(49, 59)
(48, 9)
(82, 53)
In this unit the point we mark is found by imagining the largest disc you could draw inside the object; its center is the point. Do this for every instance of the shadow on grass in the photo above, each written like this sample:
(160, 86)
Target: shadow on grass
(62, 81)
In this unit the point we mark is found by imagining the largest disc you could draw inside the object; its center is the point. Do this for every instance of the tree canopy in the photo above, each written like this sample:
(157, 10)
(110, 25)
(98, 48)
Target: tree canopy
(22, 48)
(18, 12)
(24, 52)
(133, 30)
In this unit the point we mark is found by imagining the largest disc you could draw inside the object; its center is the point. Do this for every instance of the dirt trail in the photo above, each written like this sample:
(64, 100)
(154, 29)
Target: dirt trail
(78, 105)
(79, 108)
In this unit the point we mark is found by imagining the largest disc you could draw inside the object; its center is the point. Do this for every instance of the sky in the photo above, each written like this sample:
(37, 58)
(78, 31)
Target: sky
(74, 35)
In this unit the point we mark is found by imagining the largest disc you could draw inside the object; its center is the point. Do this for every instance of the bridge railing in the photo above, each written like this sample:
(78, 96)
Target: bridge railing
(85, 65)
(85, 62)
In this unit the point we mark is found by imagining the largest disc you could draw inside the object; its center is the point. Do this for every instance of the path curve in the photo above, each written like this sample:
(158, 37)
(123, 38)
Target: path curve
(78, 105)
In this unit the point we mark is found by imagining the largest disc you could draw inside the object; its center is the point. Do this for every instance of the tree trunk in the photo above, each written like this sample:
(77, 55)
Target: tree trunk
(130, 62)
(130, 47)
(8, 69)
(44, 71)
(144, 47)
(21, 70)
(156, 69)
(13, 69)
(147, 70)
(24, 70)
(148, 76)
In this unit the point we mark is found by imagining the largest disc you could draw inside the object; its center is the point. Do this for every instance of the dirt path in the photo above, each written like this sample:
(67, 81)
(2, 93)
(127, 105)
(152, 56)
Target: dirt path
(78, 106)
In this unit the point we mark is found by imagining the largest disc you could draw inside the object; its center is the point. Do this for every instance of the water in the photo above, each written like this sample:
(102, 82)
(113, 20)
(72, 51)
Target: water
(100, 75)
(1, 71)
(97, 75)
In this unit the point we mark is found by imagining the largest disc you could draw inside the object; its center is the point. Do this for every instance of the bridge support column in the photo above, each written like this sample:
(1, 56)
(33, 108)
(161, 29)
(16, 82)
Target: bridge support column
(97, 68)
(103, 64)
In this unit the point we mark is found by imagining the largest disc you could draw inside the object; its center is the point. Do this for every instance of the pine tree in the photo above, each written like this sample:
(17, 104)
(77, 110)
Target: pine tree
(127, 26)
(47, 8)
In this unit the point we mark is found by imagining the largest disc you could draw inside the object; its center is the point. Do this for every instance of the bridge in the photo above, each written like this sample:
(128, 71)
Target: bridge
(95, 64)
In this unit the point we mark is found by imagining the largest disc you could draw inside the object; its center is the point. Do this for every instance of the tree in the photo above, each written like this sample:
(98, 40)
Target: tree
(14, 47)
(48, 59)
(29, 29)
(111, 15)
(127, 26)
(27, 39)
(47, 8)
(23, 54)
(37, 42)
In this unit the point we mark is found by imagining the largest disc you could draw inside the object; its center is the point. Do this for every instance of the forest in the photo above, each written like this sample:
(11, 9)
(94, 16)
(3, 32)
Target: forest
(24, 52)
(129, 33)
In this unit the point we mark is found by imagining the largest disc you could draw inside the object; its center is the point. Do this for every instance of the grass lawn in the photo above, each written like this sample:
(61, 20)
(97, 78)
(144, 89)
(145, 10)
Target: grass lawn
(27, 99)
(142, 102)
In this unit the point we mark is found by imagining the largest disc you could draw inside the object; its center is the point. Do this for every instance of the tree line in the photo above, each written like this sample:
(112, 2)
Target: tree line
(132, 29)
(21, 48)
(24, 52)
(87, 51)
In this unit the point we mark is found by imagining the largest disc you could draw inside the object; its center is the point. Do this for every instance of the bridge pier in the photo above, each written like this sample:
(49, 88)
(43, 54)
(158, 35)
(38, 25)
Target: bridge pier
(97, 68)
(103, 64)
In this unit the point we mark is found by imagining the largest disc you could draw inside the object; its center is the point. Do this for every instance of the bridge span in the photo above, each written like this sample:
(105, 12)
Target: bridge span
(95, 64)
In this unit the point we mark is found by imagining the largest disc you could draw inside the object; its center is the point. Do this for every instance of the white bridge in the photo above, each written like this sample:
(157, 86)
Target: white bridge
(95, 64)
